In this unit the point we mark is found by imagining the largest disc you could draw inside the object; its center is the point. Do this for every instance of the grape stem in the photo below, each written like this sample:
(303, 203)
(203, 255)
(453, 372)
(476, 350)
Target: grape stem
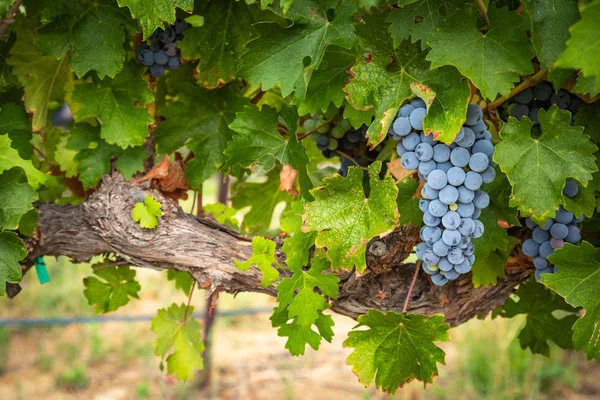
(531, 81)
(10, 14)
(187, 308)
(483, 10)
(7, 21)
(307, 134)
(351, 159)
(412, 285)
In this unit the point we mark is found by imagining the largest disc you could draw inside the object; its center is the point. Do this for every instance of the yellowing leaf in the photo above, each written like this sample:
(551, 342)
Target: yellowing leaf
(263, 256)
(146, 212)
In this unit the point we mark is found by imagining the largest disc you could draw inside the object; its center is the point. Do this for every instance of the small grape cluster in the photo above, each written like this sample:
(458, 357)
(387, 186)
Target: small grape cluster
(541, 96)
(349, 144)
(452, 200)
(553, 235)
(162, 54)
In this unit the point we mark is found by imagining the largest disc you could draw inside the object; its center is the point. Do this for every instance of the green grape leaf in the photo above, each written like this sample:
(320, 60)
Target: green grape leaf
(220, 42)
(298, 298)
(222, 213)
(356, 117)
(396, 348)
(86, 30)
(43, 78)
(289, 55)
(259, 142)
(112, 288)
(263, 256)
(408, 204)
(12, 250)
(489, 264)
(9, 157)
(586, 85)
(538, 304)
(346, 219)
(16, 197)
(113, 103)
(28, 223)
(13, 117)
(577, 280)
(588, 116)
(297, 246)
(550, 22)
(386, 77)
(461, 44)
(538, 168)
(153, 14)
(202, 118)
(419, 19)
(583, 47)
(65, 158)
(327, 82)
(131, 160)
(183, 280)
(584, 201)
(182, 338)
(262, 198)
(147, 212)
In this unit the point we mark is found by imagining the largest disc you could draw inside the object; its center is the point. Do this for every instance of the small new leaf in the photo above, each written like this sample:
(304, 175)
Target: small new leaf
(396, 348)
(538, 304)
(147, 212)
(181, 338)
(578, 280)
(263, 256)
(113, 288)
(12, 250)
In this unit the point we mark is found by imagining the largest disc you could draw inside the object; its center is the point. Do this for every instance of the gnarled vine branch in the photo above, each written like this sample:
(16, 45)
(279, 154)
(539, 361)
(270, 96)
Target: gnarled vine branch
(206, 250)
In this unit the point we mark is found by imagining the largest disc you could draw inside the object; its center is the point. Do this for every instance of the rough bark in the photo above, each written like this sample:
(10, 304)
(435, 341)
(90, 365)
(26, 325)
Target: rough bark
(103, 224)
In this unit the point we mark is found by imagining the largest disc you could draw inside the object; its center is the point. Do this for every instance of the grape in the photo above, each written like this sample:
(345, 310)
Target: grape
(424, 152)
(451, 237)
(518, 110)
(430, 269)
(439, 280)
(448, 195)
(440, 248)
(482, 199)
(424, 205)
(488, 175)
(430, 220)
(459, 136)
(466, 227)
(459, 157)
(170, 49)
(574, 235)
(452, 274)
(444, 166)
(524, 96)
(473, 180)
(464, 267)
(539, 272)
(411, 141)
(409, 161)
(405, 110)
(441, 153)
(530, 248)
(574, 106)
(540, 236)
(540, 262)
(167, 35)
(563, 216)
(429, 193)
(478, 129)
(451, 220)
(426, 167)
(161, 58)
(474, 114)
(476, 213)
(548, 224)
(546, 249)
(427, 139)
(570, 189)
(456, 256)
(562, 99)
(416, 118)
(559, 231)
(533, 115)
(309, 124)
(479, 229)
(530, 224)
(437, 179)
(356, 136)
(146, 57)
(157, 70)
(445, 265)
(401, 126)
(400, 149)
(483, 146)
(468, 138)
(465, 195)
(465, 210)
(174, 62)
(430, 258)
(557, 243)
(418, 103)
(322, 142)
(437, 208)
(420, 249)
(542, 91)
(578, 220)
(479, 162)
(456, 176)
(431, 234)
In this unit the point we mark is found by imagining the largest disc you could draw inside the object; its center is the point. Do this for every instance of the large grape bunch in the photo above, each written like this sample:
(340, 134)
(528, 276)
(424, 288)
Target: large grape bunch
(350, 145)
(564, 227)
(162, 52)
(452, 200)
(529, 101)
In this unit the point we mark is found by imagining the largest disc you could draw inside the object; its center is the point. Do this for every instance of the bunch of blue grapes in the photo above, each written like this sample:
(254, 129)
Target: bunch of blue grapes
(563, 228)
(541, 96)
(452, 200)
(349, 144)
(162, 52)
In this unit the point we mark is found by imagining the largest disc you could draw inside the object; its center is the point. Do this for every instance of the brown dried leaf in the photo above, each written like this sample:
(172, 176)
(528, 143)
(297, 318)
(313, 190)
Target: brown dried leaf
(398, 170)
(287, 178)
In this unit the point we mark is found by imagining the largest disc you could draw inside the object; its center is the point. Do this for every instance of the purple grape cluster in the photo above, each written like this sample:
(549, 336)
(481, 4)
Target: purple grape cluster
(529, 101)
(563, 228)
(452, 200)
(162, 52)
